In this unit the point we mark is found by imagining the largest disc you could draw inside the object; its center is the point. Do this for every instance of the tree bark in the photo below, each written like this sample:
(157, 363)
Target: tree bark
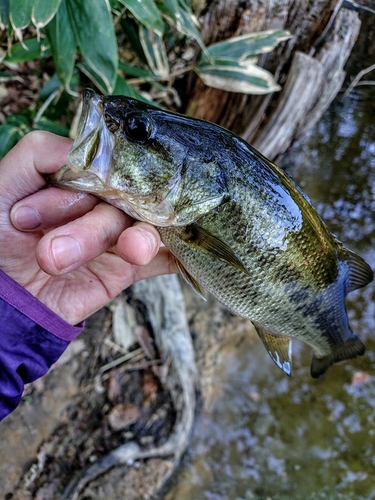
(309, 67)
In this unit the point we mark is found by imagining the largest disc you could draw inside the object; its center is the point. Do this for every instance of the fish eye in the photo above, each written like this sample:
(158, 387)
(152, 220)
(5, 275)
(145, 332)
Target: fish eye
(138, 126)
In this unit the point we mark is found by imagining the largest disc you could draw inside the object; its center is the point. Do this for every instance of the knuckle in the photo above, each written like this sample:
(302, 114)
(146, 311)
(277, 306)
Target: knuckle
(34, 139)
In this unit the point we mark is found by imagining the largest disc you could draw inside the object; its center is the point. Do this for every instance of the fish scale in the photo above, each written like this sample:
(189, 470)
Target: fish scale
(236, 224)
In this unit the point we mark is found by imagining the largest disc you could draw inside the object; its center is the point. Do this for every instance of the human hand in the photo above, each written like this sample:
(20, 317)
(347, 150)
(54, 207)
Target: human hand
(70, 250)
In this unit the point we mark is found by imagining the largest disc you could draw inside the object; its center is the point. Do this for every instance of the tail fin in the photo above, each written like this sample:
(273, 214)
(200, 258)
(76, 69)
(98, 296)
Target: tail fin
(350, 349)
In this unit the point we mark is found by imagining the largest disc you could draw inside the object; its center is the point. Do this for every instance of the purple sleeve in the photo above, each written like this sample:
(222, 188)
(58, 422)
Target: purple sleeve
(32, 338)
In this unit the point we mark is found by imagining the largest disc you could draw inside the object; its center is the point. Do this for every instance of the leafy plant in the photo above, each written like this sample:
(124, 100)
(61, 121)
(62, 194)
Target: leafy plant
(86, 40)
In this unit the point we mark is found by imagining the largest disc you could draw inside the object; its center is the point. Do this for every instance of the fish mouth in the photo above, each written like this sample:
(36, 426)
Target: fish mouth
(90, 158)
(90, 163)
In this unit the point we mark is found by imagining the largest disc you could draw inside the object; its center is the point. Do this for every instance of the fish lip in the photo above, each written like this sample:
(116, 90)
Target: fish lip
(91, 150)
(92, 112)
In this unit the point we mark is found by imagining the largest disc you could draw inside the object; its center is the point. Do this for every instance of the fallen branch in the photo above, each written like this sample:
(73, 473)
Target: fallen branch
(356, 80)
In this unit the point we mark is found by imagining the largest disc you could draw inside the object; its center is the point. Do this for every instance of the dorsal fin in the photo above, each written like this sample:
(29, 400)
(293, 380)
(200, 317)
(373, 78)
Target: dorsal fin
(360, 273)
(190, 280)
(195, 235)
(279, 347)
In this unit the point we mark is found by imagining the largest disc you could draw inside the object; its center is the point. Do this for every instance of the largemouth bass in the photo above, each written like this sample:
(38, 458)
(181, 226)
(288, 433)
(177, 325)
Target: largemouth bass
(237, 225)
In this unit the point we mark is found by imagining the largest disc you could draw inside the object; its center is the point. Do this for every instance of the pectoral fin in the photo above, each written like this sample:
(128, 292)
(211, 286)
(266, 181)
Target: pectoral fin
(199, 237)
(190, 280)
(278, 347)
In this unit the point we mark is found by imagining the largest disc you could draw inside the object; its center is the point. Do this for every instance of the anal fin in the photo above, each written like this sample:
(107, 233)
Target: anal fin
(279, 347)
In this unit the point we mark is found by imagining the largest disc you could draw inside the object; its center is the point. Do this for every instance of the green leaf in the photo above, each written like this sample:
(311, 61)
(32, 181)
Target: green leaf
(115, 5)
(4, 12)
(61, 37)
(170, 9)
(187, 25)
(131, 28)
(46, 124)
(131, 70)
(123, 88)
(28, 50)
(43, 11)
(51, 86)
(242, 47)
(236, 77)
(226, 62)
(96, 79)
(95, 36)
(9, 136)
(21, 121)
(147, 13)
(15, 127)
(186, 6)
(20, 13)
(184, 22)
(155, 51)
(6, 77)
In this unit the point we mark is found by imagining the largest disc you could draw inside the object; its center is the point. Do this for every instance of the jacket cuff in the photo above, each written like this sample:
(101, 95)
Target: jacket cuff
(19, 298)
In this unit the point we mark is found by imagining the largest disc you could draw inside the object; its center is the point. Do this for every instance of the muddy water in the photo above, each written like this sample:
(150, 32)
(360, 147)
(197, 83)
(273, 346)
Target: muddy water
(267, 436)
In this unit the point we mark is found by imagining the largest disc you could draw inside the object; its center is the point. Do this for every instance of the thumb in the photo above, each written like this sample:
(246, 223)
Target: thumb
(22, 170)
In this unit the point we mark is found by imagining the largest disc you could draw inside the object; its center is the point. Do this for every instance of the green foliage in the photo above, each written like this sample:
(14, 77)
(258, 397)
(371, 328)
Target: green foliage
(84, 37)
(18, 125)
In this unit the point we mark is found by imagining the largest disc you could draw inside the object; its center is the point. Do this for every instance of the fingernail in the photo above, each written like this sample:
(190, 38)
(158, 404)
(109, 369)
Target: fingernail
(66, 251)
(26, 218)
(150, 239)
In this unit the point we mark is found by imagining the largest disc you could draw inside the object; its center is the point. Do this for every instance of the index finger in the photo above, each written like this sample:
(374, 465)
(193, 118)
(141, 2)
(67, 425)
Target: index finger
(22, 170)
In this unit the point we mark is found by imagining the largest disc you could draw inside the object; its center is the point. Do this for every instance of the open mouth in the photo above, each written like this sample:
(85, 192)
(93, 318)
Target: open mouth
(91, 153)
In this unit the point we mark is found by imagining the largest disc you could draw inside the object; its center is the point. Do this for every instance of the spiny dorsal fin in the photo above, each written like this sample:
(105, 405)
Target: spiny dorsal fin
(360, 273)
(199, 237)
(190, 280)
(278, 347)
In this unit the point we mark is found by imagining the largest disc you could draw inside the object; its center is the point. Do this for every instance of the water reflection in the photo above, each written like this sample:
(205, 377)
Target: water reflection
(337, 169)
(269, 437)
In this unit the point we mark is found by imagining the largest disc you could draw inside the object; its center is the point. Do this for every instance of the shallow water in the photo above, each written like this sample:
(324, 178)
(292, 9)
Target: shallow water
(268, 436)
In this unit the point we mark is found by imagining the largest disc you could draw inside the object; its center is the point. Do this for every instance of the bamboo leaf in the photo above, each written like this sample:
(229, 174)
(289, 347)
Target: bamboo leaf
(95, 77)
(242, 47)
(51, 126)
(187, 25)
(9, 136)
(169, 9)
(243, 78)
(51, 86)
(28, 50)
(15, 127)
(20, 13)
(4, 12)
(184, 22)
(43, 11)
(95, 36)
(124, 88)
(61, 37)
(131, 70)
(115, 5)
(147, 13)
(155, 51)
